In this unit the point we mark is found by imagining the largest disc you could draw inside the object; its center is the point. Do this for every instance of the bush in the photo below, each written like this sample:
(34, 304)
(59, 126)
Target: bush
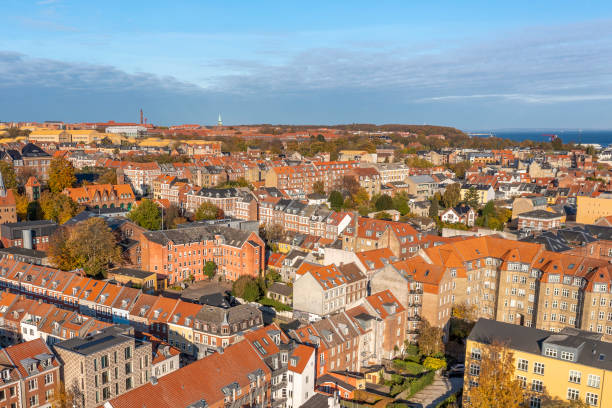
(420, 383)
(280, 307)
(409, 367)
(434, 364)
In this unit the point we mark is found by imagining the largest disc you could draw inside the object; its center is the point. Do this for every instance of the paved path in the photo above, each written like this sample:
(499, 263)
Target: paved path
(437, 392)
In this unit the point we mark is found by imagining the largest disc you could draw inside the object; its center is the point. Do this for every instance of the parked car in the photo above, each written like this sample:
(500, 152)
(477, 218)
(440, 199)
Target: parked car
(455, 371)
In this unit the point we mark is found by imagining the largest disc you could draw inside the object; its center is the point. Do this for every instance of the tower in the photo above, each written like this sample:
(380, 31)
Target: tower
(219, 121)
(2, 188)
(141, 116)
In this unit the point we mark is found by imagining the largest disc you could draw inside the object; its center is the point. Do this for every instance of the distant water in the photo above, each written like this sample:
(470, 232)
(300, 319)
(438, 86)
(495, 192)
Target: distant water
(602, 137)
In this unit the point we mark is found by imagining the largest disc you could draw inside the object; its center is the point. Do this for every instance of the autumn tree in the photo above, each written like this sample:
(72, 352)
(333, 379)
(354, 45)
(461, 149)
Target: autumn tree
(8, 175)
(108, 177)
(147, 215)
(463, 310)
(557, 143)
(434, 209)
(452, 195)
(172, 217)
(57, 207)
(272, 232)
(61, 175)
(208, 211)
(89, 245)
(350, 184)
(318, 187)
(430, 339)
(496, 384)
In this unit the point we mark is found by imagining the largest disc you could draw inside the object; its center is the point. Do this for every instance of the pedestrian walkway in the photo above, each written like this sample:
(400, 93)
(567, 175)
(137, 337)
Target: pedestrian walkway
(438, 391)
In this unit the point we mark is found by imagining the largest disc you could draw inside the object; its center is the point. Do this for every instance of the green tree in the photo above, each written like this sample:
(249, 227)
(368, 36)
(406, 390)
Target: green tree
(89, 245)
(318, 187)
(57, 207)
(434, 209)
(147, 215)
(336, 200)
(400, 203)
(8, 175)
(208, 211)
(557, 143)
(210, 269)
(452, 195)
(384, 202)
(61, 175)
(472, 198)
(247, 288)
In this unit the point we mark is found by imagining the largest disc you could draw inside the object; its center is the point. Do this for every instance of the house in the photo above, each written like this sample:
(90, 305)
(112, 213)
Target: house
(539, 220)
(528, 203)
(462, 214)
(424, 186)
(281, 293)
(96, 196)
(320, 291)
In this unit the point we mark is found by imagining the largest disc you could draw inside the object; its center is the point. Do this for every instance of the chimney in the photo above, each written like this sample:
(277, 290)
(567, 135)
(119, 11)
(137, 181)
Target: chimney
(141, 116)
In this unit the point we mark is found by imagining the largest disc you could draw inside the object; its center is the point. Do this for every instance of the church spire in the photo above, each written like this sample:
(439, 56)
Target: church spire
(219, 121)
(2, 188)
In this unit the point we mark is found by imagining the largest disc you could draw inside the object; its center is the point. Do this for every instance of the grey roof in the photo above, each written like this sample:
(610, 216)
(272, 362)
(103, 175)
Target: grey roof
(589, 351)
(232, 236)
(421, 179)
(132, 273)
(541, 214)
(13, 230)
(351, 272)
(98, 341)
(31, 150)
(281, 289)
(236, 314)
(218, 192)
(317, 401)
(32, 253)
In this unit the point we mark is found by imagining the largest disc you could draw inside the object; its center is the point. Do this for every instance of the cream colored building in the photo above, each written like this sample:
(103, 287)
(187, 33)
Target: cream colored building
(590, 209)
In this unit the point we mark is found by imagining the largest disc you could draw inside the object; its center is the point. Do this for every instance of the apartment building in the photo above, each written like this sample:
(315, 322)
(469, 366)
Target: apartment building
(590, 209)
(224, 198)
(27, 234)
(320, 291)
(216, 328)
(238, 377)
(303, 177)
(392, 172)
(30, 375)
(570, 365)
(539, 220)
(104, 365)
(181, 253)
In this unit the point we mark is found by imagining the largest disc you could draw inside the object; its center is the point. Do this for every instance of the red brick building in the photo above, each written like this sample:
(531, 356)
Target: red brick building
(30, 373)
(182, 253)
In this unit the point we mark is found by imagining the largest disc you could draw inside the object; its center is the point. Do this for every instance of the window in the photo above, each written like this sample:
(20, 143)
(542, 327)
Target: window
(550, 352)
(522, 381)
(476, 354)
(128, 352)
(106, 393)
(591, 399)
(33, 400)
(128, 383)
(103, 361)
(573, 394)
(538, 368)
(33, 384)
(566, 355)
(474, 369)
(593, 381)
(128, 368)
(48, 378)
(535, 402)
(537, 386)
(574, 376)
(523, 365)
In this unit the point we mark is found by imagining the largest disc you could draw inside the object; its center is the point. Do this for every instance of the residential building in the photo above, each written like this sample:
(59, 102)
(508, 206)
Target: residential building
(462, 214)
(181, 253)
(28, 234)
(424, 185)
(96, 196)
(104, 365)
(539, 220)
(590, 209)
(571, 365)
(320, 291)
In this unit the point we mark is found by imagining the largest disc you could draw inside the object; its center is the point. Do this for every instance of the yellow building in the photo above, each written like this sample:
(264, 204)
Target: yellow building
(590, 209)
(358, 155)
(571, 364)
(147, 281)
(49, 136)
(85, 136)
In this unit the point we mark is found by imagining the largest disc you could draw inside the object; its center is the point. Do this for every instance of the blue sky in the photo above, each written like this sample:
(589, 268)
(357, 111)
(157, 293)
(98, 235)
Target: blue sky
(469, 64)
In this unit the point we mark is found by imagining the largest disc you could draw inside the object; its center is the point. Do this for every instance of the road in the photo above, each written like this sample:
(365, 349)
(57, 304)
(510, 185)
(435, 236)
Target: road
(437, 392)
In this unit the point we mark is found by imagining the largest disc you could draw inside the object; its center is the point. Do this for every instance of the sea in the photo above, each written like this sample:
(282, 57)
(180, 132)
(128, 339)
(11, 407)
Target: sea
(601, 137)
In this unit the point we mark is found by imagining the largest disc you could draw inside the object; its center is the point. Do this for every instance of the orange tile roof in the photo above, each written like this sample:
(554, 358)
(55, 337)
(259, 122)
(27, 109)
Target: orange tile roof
(299, 358)
(376, 258)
